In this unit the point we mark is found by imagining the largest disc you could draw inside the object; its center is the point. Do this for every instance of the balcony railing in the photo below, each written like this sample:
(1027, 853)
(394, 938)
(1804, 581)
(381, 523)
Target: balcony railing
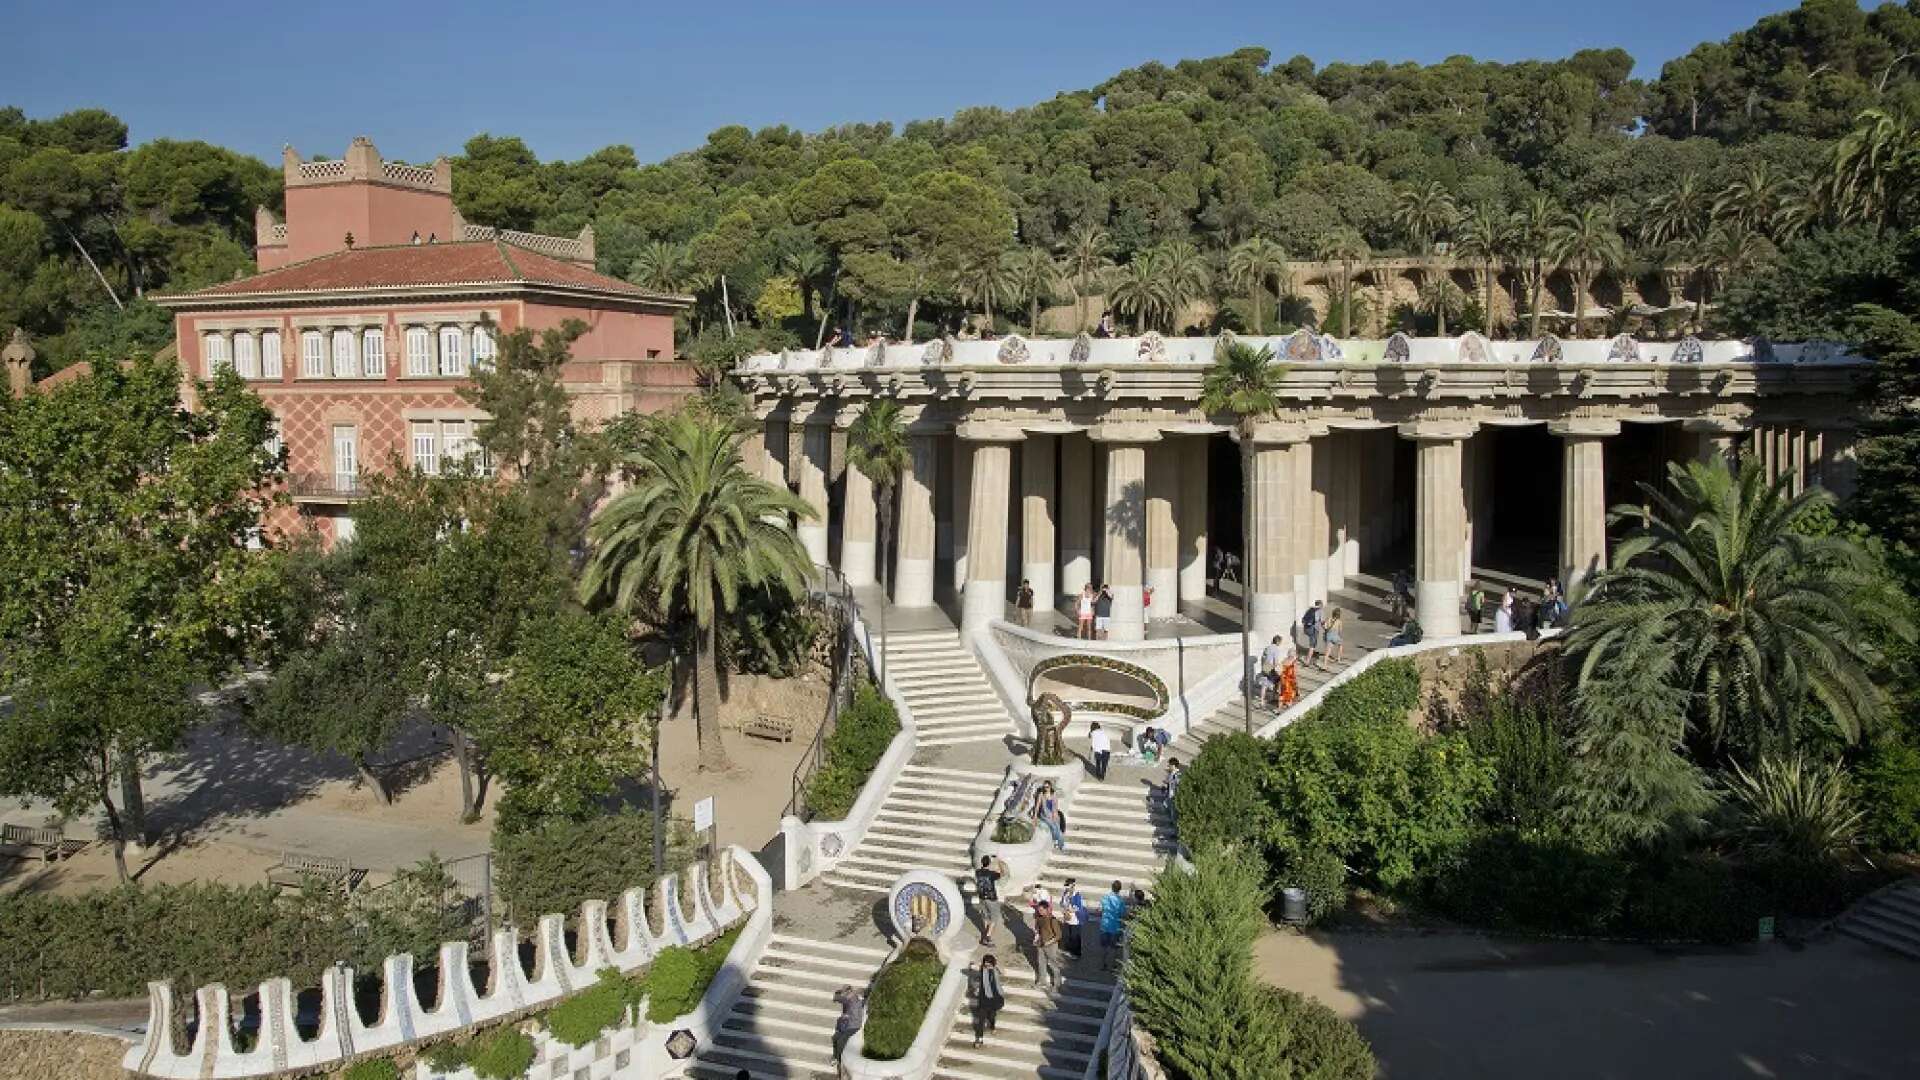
(326, 486)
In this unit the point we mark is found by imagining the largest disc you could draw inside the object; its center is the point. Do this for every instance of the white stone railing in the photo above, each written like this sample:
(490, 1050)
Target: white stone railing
(343, 1035)
(1129, 1047)
(1190, 666)
(811, 848)
(919, 1060)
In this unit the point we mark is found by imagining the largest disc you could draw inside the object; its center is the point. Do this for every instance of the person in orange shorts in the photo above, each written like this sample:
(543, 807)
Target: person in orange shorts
(1290, 679)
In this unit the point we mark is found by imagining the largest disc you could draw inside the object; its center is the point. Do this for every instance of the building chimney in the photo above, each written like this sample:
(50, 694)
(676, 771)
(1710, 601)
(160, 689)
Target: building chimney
(18, 356)
(363, 159)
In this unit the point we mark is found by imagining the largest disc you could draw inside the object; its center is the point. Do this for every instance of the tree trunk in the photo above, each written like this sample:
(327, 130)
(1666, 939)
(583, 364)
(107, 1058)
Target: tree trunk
(1248, 545)
(885, 495)
(116, 829)
(1346, 303)
(1533, 299)
(913, 310)
(1486, 313)
(706, 703)
(1580, 283)
(133, 799)
(826, 310)
(114, 296)
(1440, 305)
(1253, 298)
(463, 754)
(368, 778)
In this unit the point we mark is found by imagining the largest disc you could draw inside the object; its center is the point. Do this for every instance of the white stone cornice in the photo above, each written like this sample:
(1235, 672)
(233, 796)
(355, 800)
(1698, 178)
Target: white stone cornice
(989, 431)
(1438, 430)
(1125, 432)
(1584, 426)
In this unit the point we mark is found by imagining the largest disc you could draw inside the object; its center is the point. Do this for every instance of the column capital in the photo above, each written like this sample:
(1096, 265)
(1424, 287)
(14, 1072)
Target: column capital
(988, 432)
(1713, 425)
(1583, 427)
(1438, 430)
(1124, 433)
(1281, 432)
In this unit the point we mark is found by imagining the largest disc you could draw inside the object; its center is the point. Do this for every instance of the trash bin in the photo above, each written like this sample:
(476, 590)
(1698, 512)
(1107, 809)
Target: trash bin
(1293, 905)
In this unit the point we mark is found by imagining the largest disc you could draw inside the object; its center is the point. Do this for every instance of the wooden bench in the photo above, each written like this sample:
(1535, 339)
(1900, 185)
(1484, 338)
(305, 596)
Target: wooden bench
(48, 843)
(768, 726)
(295, 870)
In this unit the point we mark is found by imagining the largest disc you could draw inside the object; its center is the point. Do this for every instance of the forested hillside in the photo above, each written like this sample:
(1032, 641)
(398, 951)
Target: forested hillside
(1160, 187)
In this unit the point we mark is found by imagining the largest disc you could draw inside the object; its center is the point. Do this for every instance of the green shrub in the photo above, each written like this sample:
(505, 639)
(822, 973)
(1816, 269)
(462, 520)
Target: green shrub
(503, 1054)
(1506, 879)
(372, 1069)
(679, 977)
(1320, 1044)
(581, 1018)
(1220, 799)
(1321, 873)
(448, 1057)
(1695, 899)
(1522, 732)
(864, 731)
(899, 1001)
(1012, 831)
(1386, 691)
(554, 865)
(1887, 781)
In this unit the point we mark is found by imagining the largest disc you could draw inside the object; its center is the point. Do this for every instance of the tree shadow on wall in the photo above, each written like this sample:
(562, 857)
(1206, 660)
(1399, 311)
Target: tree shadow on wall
(1127, 518)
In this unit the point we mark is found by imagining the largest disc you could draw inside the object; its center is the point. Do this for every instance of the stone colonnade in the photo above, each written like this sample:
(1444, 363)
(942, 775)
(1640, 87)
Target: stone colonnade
(1127, 504)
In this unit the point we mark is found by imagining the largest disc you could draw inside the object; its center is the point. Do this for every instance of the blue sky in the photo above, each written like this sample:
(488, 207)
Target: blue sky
(420, 78)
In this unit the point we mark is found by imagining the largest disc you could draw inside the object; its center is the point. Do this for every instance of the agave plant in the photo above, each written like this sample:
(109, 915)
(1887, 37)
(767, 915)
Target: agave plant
(1792, 809)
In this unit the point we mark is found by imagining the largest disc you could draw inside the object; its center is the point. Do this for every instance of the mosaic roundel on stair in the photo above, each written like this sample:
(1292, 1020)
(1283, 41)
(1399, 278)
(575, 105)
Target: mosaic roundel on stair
(921, 910)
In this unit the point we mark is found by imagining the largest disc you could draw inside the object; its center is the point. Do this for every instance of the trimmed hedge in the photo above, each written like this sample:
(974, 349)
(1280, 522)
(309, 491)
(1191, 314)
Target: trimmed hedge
(553, 866)
(373, 1069)
(898, 1004)
(865, 729)
(678, 978)
(581, 1018)
(503, 1054)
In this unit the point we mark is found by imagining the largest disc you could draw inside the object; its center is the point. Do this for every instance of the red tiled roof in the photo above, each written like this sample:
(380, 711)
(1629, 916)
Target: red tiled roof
(471, 262)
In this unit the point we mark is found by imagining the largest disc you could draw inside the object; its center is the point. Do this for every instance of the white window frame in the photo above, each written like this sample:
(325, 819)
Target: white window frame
(271, 366)
(425, 440)
(313, 354)
(346, 361)
(373, 353)
(346, 456)
(419, 351)
(484, 349)
(453, 352)
(215, 350)
(276, 441)
(246, 355)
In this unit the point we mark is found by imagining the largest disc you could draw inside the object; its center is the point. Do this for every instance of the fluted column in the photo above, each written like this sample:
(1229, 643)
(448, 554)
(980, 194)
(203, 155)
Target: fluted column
(1125, 517)
(1190, 510)
(1339, 494)
(913, 543)
(1076, 514)
(962, 496)
(1163, 534)
(1718, 439)
(1299, 518)
(1839, 469)
(816, 449)
(1438, 531)
(857, 529)
(985, 597)
(1036, 517)
(1318, 521)
(1271, 548)
(1583, 498)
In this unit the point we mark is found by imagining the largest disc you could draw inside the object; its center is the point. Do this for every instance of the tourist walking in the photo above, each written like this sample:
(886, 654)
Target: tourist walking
(1083, 613)
(986, 893)
(1503, 616)
(1289, 679)
(853, 1013)
(1174, 773)
(1102, 611)
(1073, 912)
(1476, 608)
(1113, 921)
(1336, 650)
(1023, 602)
(1270, 659)
(1310, 622)
(1402, 594)
(1048, 811)
(988, 997)
(1049, 970)
(1102, 745)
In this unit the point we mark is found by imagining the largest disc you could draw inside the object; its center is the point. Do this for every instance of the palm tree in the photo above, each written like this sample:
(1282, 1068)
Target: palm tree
(1679, 213)
(1140, 289)
(1484, 236)
(1037, 279)
(1087, 263)
(1440, 297)
(1345, 246)
(1728, 249)
(694, 531)
(1533, 242)
(1761, 618)
(877, 446)
(919, 278)
(806, 265)
(1244, 383)
(1184, 275)
(1587, 244)
(1754, 199)
(985, 279)
(1426, 212)
(663, 266)
(1250, 265)
(1876, 168)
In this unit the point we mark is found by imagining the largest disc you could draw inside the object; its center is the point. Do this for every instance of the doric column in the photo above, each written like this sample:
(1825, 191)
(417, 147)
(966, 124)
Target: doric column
(1583, 497)
(1438, 530)
(858, 535)
(1190, 510)
(1468, 476)
(1319, 521)
(1299, 515)
(1718, 438)
(1839, 469)
(985, 597)
(1271, 550)
(1076, 514)
(1797, 458)
(962, 496)
(1339, 471)
(816, 449)
(913, 543)
(1036, 517)
(1125, 515)
(1163, 534)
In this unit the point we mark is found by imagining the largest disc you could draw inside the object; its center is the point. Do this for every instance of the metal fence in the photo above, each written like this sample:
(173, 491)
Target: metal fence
(836, 596)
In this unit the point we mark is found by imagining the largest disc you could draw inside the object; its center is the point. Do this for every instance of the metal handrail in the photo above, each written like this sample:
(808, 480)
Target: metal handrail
(837, 595)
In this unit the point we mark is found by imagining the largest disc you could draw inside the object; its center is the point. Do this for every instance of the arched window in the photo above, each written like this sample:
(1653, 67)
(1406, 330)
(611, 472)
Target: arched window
(344, 364)
(419, 351)
(216, 354)
(373, 354)
(246, 356)
(313, 355)
(482, 349)
(453, 352)
(270, 355)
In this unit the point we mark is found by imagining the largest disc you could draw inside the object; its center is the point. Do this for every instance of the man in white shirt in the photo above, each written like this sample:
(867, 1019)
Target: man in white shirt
(1271, 658)
(1102, 750)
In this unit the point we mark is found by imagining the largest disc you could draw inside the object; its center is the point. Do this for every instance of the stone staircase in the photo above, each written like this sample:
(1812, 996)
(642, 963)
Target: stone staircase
(1230, 717)
(1119, 830)
(1889, 919)
(1039, 1033)
(928, 821)
(782, 1024)
(952, 701)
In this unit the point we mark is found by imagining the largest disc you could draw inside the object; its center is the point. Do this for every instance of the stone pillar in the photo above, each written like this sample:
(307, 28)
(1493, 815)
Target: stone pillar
(1271, 548)
(1076, 514)
(1339, 471)
(1839, 469)
(857, 529)
(1125, 516)
(1438, 529)
(1036, 518)
(1469, 468)
(1163, 535)
(775, 462)
(991, 477)
(1299, 515)
(816, 449)
(1717, 438)
(962, 496)
(1190, 512)
(913, 543)
(1319, 521)
(1796, 458)
(1583, 498)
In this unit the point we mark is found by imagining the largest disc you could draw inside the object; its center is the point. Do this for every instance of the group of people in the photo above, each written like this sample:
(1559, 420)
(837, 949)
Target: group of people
(1093, 610)
(1058, 925)
(1518, 612)
(1321, 631)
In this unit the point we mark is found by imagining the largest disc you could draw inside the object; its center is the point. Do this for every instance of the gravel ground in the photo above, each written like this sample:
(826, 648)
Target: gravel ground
(59, 1055)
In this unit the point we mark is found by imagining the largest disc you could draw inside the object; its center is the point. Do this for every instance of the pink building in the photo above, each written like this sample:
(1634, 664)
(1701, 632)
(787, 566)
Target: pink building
(367, 315)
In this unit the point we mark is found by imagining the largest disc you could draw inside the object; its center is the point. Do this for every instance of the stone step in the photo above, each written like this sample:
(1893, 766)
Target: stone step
(1861, 931)
(962, 775)
(828, 948)
(963, 740)
(1071, 1066)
